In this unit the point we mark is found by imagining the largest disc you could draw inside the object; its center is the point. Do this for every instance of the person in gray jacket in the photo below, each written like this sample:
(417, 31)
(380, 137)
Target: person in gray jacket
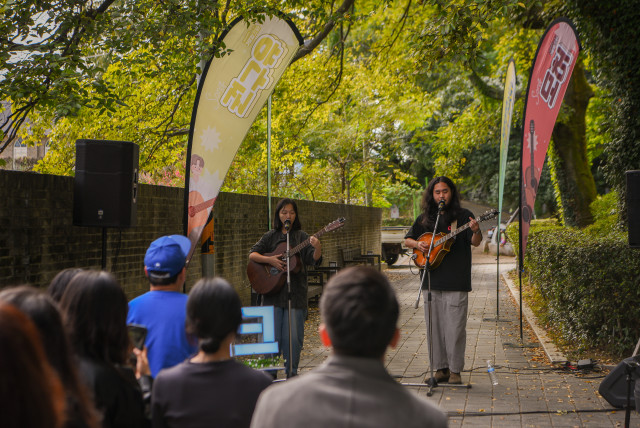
(351, 388)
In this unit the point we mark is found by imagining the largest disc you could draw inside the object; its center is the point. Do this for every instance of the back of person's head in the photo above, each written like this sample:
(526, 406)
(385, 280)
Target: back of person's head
(44, 313)
(95, 311)
(213, 311)
(31, 395)
(165, 258)
(59, 282)
(41, 309)
(360, 311)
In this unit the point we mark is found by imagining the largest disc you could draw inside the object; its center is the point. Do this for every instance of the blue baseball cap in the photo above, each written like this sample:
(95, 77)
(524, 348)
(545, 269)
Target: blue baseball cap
(166, 256)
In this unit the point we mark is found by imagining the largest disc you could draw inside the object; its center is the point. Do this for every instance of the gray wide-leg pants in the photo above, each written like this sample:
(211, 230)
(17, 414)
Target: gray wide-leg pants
(449, 328)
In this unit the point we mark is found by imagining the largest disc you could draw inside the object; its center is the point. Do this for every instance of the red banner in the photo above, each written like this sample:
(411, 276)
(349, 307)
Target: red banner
(552, 67)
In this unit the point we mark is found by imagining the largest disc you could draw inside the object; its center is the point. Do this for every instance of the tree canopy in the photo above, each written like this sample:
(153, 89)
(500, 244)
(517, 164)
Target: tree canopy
(382, 96)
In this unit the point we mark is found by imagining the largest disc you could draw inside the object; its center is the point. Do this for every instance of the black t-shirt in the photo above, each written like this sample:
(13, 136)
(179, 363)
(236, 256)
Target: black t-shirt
(454, 272)
(216, 394)
(268, 244)
(115, 392)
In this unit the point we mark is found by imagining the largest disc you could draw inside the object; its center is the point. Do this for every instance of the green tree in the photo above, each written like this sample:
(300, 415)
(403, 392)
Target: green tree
(608, 30)
(473, 36)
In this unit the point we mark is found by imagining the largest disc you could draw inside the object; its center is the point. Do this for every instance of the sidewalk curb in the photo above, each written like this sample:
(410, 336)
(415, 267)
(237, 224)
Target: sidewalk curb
(555, 356)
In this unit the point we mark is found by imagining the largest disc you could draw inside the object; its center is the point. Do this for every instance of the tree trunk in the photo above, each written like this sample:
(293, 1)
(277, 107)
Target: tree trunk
(570, 168)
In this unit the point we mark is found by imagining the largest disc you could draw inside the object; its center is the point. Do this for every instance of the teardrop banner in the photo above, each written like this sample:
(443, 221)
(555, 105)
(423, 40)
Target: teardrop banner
(552, 67)
(232, 90)
(508, 102)
(507, 114)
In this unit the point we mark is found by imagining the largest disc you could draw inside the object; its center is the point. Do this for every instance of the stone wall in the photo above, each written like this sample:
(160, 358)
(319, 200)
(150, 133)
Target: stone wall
(38, 239)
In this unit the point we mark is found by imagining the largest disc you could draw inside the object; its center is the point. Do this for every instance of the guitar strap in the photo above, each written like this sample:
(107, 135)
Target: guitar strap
(454, 225)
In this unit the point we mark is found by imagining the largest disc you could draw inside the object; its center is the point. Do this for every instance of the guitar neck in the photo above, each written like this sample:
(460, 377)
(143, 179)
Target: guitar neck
(295, 250)
(532, 126)
(204, 205)
(454, 233)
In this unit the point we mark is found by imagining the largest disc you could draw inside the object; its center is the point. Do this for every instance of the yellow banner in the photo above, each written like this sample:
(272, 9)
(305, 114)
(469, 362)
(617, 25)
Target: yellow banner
(231, 93)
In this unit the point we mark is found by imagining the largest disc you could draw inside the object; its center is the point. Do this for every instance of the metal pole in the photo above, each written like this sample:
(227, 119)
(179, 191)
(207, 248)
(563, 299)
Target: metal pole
(269, 160)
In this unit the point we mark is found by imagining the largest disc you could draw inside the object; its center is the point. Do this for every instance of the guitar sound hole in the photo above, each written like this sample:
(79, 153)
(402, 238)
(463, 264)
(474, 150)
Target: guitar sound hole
(273, 271)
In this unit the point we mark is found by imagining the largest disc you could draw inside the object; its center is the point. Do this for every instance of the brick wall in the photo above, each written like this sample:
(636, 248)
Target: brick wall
(38, 239)
(240, 220)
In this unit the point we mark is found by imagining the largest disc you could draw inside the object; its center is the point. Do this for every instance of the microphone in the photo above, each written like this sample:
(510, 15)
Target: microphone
(414, 256)
(287, 224)
(441, 205)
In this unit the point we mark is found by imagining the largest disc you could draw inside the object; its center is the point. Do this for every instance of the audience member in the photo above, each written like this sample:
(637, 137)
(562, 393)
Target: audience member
(59, 283)
(31, 395)
(352, 388)
(210, 389)
(95, 311)
(43, 311)
(162, 309)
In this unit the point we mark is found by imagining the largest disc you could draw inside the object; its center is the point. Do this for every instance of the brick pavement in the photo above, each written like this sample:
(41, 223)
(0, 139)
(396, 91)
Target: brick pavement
(531, 392)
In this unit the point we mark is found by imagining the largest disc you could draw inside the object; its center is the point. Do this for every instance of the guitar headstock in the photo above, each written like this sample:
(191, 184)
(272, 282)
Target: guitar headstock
(488, 215)
(337, 224)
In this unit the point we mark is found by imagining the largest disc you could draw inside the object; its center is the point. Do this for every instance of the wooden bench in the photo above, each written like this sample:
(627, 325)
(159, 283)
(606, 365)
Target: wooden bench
(318, 276)
(350, 257)
(354, 256)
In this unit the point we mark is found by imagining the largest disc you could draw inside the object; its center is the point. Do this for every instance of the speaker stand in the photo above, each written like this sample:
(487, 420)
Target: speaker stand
(104, 248)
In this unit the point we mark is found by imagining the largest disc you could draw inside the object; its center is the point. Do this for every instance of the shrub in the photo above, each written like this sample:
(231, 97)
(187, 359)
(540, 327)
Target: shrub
(589, 280)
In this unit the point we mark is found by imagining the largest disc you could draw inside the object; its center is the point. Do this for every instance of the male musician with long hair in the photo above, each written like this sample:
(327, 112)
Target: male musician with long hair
(450, 280)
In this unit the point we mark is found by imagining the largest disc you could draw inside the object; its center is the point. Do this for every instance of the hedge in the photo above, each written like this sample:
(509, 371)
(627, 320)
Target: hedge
(589, 283)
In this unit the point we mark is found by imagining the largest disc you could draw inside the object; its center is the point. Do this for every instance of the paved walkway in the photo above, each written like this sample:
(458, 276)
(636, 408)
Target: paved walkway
(531, 392)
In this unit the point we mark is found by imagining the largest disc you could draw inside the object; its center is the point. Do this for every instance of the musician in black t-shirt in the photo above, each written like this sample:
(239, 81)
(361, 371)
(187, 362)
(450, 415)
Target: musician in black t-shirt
(451, 279)
(287, 212)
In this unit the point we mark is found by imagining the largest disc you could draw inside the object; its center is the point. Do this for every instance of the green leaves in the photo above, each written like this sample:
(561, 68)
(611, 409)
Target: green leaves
(588, 281)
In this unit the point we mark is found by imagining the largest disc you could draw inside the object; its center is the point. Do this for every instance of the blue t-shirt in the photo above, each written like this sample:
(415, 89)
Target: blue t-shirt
(163, 313)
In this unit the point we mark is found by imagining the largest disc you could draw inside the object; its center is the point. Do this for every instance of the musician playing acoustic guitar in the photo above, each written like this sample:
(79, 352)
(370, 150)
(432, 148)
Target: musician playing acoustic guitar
(287, 210)
(450, 280)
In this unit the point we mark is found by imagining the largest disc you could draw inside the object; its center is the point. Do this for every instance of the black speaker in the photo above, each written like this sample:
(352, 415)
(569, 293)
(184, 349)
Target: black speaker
(614, 386)
(633, 207)
(106, 184)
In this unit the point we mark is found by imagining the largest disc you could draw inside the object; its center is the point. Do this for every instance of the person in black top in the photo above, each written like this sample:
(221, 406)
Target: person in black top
(211, 388)
(44, 312)
(287, 212)
(95, 313)
(451, 280)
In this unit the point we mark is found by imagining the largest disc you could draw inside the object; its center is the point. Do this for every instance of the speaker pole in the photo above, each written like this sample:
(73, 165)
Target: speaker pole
(104, 248)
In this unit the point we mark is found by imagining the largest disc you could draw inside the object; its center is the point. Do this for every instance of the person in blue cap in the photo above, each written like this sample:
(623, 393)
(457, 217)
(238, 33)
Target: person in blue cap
(162, 310)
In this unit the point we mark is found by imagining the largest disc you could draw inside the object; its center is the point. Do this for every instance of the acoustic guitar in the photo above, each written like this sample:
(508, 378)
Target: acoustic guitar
(197, 210)
(266, 279)
(442, 243)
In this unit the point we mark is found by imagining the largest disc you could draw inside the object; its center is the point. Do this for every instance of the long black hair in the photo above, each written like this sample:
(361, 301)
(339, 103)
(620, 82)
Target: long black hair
(59, 282)
(44, 312)
(429, 205)
(277, 223)
(213, 311)
(95, 310)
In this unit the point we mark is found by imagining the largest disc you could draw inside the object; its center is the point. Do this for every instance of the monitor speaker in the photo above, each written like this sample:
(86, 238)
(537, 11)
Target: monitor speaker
(614, 386)
(633, 207)
(106, 183)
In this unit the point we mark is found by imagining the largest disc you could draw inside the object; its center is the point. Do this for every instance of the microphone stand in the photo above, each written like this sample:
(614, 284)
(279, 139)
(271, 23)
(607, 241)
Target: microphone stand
(287, 226)
(427, 274)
